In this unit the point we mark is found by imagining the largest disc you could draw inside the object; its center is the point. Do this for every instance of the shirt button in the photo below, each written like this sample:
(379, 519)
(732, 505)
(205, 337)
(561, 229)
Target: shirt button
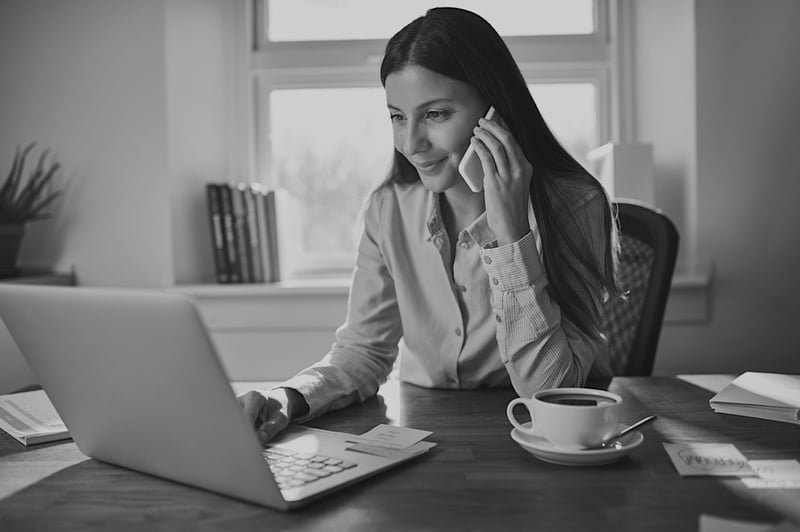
(458, 331)
(498, 318)
(487, 259)
(495, 281)
(462, 288)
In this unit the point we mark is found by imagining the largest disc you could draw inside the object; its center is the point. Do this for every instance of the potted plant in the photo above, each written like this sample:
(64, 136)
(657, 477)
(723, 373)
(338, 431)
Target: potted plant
(23, 198)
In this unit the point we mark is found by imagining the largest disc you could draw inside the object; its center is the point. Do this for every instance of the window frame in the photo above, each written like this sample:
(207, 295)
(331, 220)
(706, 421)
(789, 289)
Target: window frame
(584, 58)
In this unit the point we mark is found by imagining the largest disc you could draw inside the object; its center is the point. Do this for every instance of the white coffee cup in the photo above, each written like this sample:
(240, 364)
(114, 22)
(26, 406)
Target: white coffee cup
(570, 418)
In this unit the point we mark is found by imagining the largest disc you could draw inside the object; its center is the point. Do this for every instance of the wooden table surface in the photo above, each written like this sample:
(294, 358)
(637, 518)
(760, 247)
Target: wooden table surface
(477, 478)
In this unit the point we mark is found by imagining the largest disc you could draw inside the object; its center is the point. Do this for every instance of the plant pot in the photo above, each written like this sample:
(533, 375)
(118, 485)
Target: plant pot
(10, 244)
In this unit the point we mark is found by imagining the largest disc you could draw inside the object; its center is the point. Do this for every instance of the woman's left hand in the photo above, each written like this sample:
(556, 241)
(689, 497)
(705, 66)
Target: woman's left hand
(506, 183)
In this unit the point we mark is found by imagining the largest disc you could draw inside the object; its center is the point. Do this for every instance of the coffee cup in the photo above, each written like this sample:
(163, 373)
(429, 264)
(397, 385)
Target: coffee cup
(570, 418)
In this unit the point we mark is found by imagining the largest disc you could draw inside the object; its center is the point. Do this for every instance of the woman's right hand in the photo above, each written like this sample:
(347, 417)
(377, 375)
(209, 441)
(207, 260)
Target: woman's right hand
(271, 413)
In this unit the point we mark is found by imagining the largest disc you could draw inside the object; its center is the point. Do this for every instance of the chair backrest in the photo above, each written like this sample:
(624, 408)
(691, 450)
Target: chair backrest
(648, 251)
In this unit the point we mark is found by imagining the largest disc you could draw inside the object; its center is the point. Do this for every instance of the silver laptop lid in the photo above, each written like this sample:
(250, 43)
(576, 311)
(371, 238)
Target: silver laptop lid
(136, 379)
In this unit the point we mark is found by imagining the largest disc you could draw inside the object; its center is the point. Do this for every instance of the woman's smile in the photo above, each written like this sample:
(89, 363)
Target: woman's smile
(429, 167)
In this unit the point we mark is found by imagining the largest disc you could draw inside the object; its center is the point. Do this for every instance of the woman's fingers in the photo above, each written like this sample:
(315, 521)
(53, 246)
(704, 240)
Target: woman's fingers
(267, 414)
(272, 426)
(253, 405)
(485, 157)
(517, 162)
(507, 180)
(491, 152)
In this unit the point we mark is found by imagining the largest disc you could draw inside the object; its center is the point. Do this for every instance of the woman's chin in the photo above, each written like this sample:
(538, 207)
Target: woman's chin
(440, 183)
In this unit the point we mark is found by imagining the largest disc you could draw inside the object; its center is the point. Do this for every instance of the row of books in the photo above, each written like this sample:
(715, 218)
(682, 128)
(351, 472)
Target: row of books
(244, 232)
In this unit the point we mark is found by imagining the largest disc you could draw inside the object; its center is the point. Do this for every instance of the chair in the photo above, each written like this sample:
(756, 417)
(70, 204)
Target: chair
(648, 251)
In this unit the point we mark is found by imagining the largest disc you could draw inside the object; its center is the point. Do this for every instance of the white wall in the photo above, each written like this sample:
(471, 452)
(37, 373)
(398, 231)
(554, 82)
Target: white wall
(86, 79)
(141, 102)
(665, 106)
(747, 178)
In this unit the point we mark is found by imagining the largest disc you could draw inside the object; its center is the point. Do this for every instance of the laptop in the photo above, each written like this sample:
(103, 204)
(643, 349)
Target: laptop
(136, 379)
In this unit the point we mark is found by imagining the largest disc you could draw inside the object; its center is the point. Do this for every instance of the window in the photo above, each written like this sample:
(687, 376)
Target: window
(342, 20)
(321, 130)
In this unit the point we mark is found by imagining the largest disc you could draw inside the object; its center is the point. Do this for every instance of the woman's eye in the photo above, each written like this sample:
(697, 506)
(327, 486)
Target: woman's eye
(395, 117)
(436, 115)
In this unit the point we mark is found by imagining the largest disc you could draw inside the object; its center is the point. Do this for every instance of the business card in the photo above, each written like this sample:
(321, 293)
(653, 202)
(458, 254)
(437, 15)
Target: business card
(708, 459)
(390, 436)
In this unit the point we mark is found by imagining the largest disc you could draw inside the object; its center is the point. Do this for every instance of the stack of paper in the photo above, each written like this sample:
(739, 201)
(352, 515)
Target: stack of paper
(31, 418)
(773, 396)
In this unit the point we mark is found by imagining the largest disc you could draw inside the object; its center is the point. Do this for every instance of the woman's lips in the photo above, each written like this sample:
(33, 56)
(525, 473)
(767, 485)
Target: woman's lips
(429, 167)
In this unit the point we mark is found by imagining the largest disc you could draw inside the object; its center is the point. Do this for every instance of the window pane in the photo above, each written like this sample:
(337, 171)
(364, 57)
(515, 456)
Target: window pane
(332, 160)
(330, 148)
(315, 20)
(570, 109)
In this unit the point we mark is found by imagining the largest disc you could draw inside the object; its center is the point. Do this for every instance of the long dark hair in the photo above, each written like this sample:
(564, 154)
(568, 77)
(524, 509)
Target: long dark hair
(462, 45)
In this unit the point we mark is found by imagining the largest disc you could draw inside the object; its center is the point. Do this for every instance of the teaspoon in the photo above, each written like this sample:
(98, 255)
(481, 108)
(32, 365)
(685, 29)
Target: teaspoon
(607, 443)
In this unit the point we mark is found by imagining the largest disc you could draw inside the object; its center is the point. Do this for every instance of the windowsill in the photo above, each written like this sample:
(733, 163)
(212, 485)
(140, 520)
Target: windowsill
(300, 287)
(689, 300)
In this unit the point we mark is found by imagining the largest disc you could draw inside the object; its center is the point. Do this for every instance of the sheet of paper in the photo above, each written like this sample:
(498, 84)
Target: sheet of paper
(30, 413)
(776, 469)
(708, 459)
(774, 474)
(390, 436)
(761, 483)
(388, 452)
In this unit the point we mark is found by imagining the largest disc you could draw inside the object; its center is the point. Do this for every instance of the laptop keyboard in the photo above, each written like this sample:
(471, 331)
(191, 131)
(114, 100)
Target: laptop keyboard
(292, 469)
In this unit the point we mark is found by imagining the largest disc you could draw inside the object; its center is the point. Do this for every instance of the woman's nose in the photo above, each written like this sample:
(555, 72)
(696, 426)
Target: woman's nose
(415, 139)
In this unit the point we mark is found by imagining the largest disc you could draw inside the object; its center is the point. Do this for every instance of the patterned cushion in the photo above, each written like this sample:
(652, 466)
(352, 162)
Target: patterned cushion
(621, 317)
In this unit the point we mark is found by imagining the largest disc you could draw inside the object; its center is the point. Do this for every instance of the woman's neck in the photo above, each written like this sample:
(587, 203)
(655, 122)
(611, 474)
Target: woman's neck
(460, 207)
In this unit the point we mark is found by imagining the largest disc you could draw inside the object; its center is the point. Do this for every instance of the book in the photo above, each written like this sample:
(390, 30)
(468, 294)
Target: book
(30, 418)
(263, 234)
(273, 251)
(772, 396)
(240, 232)
(253, 243)
(234, 270)
(214, 206)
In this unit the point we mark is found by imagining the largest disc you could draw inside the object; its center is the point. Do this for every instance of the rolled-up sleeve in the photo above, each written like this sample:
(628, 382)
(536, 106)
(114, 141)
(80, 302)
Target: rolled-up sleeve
(539, 348)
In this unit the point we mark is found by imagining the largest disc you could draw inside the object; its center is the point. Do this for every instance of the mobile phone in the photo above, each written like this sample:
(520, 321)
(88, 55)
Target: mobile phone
(470, 166)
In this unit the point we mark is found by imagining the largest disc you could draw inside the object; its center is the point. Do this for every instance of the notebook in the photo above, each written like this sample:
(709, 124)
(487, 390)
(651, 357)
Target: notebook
(135, 377)
(773, 396)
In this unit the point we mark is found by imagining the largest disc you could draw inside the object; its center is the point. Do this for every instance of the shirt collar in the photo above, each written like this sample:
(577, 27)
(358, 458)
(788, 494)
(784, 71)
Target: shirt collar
(478, 230)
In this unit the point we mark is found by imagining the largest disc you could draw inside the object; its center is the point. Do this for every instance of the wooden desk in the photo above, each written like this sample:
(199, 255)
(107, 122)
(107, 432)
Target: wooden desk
(477, 478)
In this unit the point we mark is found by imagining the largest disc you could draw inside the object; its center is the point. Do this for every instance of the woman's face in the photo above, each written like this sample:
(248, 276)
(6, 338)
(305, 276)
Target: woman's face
(432, 119)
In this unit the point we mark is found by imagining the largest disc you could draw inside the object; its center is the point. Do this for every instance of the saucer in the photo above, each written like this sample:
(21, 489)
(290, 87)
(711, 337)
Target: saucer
(547, 452)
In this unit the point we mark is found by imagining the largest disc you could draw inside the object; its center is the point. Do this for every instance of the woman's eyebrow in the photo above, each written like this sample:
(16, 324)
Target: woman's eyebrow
(424, 104)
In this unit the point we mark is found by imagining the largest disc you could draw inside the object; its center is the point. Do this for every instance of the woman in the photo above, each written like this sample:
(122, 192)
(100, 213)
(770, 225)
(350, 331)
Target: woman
(500, 287)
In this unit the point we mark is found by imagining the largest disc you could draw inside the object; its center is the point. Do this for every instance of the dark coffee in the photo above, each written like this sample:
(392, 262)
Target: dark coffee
(576, 399)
